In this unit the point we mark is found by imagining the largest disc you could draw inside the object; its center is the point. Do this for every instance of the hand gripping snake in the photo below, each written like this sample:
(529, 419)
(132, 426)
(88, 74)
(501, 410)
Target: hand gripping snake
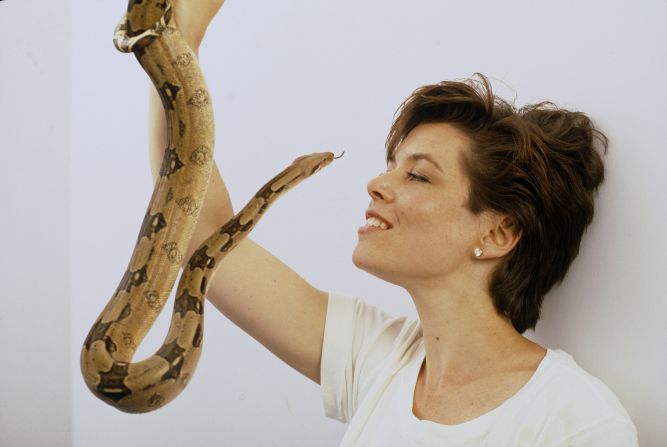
(148, 30)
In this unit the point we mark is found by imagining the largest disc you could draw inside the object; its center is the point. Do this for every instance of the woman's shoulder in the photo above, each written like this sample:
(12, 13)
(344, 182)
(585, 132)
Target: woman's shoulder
(376, 339)
(370, 321)
(570, 404)
(564, 380)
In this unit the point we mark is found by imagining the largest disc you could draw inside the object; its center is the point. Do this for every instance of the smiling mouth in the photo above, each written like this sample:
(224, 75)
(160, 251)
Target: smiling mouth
(374, 222)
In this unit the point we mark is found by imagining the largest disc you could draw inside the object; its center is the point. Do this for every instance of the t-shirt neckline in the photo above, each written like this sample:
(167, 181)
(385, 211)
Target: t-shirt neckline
(473, 427)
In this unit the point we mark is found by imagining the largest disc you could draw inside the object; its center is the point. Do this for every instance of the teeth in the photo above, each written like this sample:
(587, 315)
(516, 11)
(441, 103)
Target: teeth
(375, 222)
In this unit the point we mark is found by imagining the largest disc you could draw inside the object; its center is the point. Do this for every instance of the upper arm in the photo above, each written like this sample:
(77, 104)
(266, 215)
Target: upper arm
(261, 294)
(273, 304)
(251, 287)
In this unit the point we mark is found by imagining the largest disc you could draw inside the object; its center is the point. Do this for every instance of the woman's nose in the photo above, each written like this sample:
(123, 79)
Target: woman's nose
(379, 188)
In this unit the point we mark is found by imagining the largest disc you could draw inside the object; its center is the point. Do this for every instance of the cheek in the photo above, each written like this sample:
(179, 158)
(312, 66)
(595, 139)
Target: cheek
(429, 215)
(445, 226)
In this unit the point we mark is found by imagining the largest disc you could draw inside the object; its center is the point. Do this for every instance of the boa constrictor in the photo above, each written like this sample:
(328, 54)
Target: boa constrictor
(148, 30)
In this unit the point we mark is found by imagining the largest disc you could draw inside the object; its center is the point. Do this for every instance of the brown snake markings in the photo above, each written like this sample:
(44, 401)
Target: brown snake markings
(148, 30)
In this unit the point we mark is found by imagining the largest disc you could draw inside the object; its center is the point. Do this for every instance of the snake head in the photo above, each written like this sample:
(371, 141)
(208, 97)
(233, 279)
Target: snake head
(142, 24)
(310, 164)
(300, 169)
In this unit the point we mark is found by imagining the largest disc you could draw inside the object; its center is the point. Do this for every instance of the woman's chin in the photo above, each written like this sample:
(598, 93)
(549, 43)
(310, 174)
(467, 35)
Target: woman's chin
(369, 264)
(363, 256)
(362, 260)
(358, 258)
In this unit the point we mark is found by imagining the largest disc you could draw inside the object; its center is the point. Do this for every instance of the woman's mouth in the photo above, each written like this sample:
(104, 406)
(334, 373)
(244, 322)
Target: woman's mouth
(373, 224)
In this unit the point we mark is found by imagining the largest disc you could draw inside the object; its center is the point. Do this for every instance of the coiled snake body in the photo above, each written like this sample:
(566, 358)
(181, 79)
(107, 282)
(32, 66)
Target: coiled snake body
(149, 31)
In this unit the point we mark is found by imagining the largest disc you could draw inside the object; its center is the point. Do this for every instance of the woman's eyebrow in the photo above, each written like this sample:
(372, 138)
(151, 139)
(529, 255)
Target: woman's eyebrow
(418, 156)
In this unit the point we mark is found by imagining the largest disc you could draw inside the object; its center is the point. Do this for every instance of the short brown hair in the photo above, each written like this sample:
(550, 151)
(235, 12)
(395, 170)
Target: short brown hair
(539, 165)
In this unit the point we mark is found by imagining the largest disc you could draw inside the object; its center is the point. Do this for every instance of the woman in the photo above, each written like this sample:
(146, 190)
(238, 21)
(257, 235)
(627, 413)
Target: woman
(480, 212)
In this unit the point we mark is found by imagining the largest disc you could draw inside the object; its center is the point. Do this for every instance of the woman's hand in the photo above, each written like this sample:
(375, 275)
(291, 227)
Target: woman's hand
(193, 17)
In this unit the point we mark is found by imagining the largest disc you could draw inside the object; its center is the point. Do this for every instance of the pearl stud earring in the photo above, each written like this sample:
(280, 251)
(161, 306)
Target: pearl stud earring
(478, 252)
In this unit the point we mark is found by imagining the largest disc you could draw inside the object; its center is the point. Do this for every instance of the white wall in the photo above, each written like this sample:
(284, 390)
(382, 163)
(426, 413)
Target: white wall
(35, 392)
(289, 78)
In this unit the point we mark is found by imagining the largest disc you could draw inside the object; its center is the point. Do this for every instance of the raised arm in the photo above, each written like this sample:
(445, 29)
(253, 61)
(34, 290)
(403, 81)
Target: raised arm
(252, 288)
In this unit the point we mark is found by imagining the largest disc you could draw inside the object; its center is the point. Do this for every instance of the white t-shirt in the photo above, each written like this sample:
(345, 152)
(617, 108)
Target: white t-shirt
(369, 370)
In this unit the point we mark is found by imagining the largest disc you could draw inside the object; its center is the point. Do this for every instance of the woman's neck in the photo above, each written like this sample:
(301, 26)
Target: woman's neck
(464, 335)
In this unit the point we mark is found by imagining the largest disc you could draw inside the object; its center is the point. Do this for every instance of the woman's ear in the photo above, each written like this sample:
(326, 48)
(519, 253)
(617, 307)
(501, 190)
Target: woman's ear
(501, 237)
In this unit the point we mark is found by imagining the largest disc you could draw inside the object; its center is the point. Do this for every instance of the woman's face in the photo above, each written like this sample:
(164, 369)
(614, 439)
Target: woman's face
(421, 201)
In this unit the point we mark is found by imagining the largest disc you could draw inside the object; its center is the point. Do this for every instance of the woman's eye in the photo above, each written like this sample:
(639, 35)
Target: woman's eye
(417, 177)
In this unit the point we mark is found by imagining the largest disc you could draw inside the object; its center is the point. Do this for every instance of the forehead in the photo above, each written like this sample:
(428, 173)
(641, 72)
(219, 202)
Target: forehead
(441, 141)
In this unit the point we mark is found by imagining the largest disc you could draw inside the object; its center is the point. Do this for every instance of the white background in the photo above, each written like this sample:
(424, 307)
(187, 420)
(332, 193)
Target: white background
(289, 78)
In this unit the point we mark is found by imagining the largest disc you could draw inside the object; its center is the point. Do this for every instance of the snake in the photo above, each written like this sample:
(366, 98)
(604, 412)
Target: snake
(148, 29)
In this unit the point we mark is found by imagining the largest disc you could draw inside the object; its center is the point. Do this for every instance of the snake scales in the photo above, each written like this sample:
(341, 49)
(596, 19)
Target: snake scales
(148, 29)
